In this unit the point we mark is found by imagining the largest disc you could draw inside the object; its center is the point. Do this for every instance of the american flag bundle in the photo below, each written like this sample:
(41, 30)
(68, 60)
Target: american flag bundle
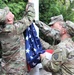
(33, 47)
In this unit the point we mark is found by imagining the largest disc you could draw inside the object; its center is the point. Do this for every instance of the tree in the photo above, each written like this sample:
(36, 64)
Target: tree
(49, 8)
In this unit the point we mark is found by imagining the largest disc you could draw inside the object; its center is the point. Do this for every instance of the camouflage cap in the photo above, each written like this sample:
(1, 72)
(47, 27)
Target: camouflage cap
(55, 19)
(70, 27)
(3, 13)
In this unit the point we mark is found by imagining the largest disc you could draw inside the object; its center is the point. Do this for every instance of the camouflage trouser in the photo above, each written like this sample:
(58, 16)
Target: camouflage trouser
(18, 73)
(17, 66)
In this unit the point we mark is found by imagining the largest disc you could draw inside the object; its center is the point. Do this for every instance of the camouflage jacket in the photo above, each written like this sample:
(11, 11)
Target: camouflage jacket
(62, 61)
(48, 32)
(13, 45)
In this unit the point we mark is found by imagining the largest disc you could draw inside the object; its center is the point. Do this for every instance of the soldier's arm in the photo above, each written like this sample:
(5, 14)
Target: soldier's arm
(47, 30)
(28, 18)
(54, 65)
(45, 45)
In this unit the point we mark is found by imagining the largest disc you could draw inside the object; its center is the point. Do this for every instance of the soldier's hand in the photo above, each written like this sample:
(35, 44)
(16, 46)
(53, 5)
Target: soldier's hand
(48, 54)
(42, 55)
(30, 1)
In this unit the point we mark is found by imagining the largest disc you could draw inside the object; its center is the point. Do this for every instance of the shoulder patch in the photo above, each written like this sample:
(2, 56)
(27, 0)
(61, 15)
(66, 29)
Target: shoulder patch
(55, 56)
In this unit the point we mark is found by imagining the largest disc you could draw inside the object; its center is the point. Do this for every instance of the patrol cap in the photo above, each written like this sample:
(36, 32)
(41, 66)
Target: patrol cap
(55, 19)
(70, 27)
(3, 13)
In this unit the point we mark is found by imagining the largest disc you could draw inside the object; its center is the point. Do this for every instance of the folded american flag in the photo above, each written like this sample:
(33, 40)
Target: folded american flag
(33, 47)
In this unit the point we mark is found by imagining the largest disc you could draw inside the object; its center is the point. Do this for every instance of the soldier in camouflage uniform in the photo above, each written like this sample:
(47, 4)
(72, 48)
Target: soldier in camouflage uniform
(13, 48)
(62, 60)
(48, 32)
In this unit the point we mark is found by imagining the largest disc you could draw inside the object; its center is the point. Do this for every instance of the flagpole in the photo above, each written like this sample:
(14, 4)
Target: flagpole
(35, 70)
(36, 7)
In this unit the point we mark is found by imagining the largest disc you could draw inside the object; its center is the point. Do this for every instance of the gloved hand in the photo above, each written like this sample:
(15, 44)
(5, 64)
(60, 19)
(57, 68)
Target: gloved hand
(48, 53)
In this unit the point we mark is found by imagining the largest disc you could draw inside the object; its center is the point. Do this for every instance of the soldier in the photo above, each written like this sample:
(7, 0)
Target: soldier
(13, 50)
(62, 60)
(49, 32)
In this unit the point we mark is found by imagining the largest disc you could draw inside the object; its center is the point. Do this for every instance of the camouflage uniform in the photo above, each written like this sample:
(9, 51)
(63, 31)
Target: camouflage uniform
(47, 31)
(45, 44)
(62, 61)
(13, 48)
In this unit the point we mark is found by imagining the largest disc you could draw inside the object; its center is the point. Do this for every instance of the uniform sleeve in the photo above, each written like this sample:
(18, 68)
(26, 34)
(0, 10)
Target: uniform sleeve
(26, 21)
(45, 45)
(47, 30)
(54, 65)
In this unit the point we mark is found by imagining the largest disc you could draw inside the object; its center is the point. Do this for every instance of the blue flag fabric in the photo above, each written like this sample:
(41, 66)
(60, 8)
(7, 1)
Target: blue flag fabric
(33, 47)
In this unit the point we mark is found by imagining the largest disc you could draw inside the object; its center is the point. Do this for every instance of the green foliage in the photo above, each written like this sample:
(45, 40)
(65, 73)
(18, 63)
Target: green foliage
(2, 4)
(17, 9)
(49, 8)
